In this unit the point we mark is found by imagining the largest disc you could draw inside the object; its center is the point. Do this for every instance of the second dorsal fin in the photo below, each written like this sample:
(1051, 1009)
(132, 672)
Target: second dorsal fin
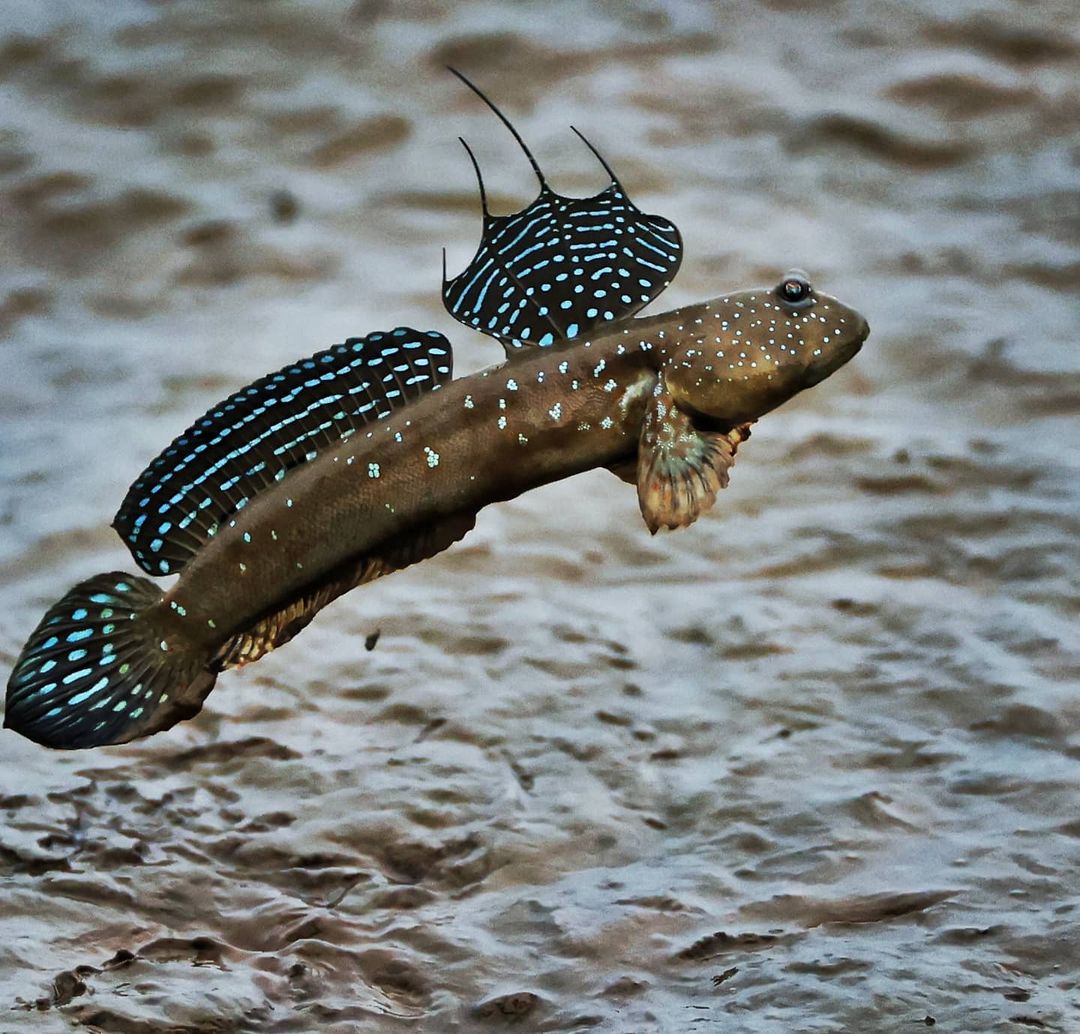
(252, 439)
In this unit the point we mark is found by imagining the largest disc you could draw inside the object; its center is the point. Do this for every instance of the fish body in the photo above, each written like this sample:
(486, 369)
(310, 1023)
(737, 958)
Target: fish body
(369, 456)
(481, 439)
(544, 415)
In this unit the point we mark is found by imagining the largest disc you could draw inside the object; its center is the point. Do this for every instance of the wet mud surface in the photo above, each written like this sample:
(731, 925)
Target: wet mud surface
(811, 765)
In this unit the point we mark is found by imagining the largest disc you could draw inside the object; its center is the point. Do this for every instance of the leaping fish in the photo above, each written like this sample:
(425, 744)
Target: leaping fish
(368, 457)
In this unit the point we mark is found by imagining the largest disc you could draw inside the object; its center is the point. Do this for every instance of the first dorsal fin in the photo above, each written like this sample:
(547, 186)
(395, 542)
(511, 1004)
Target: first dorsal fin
(252, 439)
(563, 265)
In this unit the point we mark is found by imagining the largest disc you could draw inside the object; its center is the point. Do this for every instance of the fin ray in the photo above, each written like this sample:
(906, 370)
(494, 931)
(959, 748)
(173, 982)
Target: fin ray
(505, 121)
(596, 154)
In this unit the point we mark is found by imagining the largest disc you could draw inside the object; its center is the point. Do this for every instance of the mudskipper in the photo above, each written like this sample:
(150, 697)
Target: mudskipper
(368, 457)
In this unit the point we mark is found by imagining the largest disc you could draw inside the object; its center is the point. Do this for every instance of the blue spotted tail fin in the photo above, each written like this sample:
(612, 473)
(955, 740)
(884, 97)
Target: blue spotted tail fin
(106, 665)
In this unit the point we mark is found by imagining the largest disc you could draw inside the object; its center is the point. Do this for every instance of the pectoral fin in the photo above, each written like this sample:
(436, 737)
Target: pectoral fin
(680, 469)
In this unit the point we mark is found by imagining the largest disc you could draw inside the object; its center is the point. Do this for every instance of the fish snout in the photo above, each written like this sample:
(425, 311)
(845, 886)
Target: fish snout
(861, 334)
(864, 330)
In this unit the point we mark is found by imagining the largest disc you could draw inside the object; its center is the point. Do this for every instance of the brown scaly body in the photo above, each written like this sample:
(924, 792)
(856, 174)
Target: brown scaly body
(480, 439)
(543, 416)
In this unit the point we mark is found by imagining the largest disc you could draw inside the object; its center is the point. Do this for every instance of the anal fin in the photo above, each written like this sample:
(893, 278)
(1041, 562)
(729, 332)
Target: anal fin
(679, 468)
(277, 628)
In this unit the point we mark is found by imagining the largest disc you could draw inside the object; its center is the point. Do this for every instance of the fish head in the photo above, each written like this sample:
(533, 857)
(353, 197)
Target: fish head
(753, 350)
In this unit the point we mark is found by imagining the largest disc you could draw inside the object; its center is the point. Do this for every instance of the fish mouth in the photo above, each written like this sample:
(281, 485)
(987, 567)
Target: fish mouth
(864, 333)
(841, 357)
(855, 345)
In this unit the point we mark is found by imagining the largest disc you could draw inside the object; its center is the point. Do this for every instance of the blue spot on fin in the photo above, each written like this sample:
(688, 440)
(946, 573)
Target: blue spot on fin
(109, 690)
(246, 443)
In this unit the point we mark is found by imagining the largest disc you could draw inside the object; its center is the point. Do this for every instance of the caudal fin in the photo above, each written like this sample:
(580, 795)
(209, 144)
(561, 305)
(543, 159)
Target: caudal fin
(104, 666)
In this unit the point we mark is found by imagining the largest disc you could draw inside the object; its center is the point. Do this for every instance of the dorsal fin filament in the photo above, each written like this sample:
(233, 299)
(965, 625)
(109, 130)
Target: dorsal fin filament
(479, 183)
(599, 157)
(506, 122)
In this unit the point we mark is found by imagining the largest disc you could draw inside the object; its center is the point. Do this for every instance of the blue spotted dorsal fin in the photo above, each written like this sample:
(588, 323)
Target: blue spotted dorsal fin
(563, 266)
(251, 440)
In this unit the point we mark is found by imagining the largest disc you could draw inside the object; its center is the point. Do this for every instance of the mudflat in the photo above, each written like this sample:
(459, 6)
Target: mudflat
(811, 764)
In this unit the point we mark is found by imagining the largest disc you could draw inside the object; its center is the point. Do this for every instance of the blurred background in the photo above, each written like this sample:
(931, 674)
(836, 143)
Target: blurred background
(811, 765)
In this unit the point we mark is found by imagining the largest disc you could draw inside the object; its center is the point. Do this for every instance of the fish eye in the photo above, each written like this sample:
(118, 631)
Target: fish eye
(795, 289)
